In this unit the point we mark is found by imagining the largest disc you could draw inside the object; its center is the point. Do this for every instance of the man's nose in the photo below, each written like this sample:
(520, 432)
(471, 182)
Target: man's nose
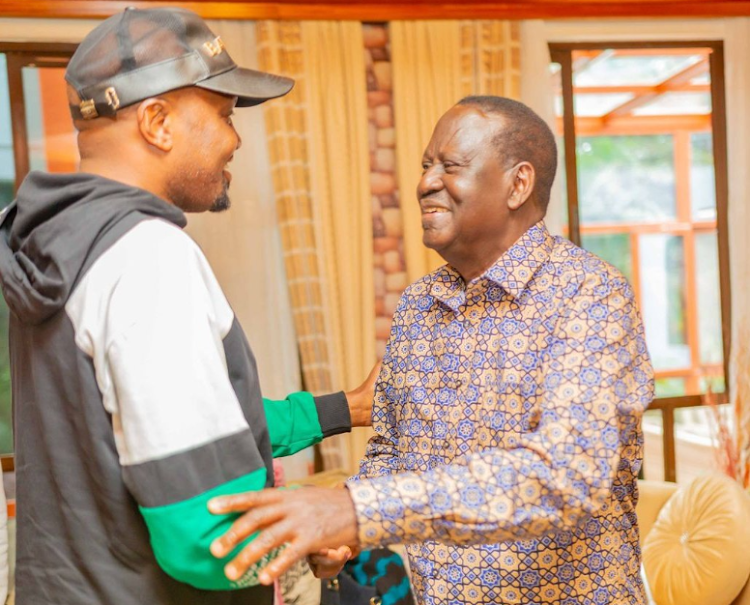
(239, 140)
(431, 182)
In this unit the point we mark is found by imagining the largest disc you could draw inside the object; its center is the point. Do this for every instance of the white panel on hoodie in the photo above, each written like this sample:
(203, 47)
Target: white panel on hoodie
(152, 316)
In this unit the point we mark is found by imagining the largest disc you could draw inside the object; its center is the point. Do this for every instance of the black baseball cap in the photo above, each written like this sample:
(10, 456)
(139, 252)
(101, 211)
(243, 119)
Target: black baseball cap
(139, 54)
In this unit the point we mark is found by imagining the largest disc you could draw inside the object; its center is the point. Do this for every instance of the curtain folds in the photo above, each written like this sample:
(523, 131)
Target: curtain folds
(435, 64)
(317, 138)
(341, 191)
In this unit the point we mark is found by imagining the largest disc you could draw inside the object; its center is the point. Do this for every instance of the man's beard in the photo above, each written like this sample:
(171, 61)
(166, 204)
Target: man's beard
(222, 202)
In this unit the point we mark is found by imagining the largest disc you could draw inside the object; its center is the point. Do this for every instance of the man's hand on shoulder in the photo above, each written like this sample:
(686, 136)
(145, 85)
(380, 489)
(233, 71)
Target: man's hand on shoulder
(360, 399)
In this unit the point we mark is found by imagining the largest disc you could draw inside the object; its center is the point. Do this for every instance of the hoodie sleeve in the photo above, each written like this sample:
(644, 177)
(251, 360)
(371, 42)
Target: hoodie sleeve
(154, 322)
(302, 420)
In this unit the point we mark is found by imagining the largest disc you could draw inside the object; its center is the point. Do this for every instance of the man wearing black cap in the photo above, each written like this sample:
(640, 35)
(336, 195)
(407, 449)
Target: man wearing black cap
(136, 394)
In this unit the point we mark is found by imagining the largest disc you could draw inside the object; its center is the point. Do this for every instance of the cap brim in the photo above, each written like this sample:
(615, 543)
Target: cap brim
(251, 87)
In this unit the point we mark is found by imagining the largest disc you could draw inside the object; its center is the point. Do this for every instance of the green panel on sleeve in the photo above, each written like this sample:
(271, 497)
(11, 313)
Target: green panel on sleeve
(182, 533)
(292, 423)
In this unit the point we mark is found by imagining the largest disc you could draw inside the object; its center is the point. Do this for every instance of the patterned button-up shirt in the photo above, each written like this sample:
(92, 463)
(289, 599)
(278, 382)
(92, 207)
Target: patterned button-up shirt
(508, 432)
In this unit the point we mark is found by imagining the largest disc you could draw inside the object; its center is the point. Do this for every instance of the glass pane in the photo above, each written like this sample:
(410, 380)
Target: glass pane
(7, 180)
(670, 387)
(612, 247)
(51, 136)
(629, 67)
(677, 104)
(626, 179)
(662, 261)
(7, 163)
(702, 183)
(709, 298)
(701, 80)
(597, 105)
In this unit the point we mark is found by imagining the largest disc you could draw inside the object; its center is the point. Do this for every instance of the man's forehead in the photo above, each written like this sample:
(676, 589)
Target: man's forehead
(465, 124)
(463, 116)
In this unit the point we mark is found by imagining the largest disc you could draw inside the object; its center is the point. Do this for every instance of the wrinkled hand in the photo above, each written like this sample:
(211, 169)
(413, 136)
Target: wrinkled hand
(307, 521)
(360, 399)
(329, 562)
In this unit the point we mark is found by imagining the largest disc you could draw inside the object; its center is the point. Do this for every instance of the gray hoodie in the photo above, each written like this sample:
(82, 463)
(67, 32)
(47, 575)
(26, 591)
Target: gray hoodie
(136, 399)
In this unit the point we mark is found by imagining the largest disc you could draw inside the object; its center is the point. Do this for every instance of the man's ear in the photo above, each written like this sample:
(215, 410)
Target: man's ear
(155, 122)
(523, 185)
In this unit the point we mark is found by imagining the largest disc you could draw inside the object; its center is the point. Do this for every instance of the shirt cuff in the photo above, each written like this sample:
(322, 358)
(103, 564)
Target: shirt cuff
(391, 509)
(333, 414)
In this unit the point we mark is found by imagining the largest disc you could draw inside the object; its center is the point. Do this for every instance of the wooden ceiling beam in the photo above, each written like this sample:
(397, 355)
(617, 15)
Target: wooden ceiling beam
(687, 74)
(664, 52)
(639, 125)
(634, 103)
(387, 10)
(639, 90)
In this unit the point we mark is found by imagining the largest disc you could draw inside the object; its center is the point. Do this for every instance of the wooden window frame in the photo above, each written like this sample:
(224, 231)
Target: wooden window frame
(562, 53)
(20, 55)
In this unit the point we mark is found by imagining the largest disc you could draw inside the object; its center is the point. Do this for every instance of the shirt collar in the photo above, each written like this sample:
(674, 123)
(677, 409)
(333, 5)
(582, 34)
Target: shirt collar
(512, 271)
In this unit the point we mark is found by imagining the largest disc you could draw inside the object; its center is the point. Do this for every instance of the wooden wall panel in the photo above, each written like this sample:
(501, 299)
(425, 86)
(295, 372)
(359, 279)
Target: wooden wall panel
(386, 10)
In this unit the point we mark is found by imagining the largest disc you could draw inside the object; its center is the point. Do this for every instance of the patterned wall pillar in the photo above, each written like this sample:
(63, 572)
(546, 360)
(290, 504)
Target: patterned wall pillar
(389, 264)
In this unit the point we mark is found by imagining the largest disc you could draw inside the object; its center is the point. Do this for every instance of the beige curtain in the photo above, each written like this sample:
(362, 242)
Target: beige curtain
(435, 64)
(318, 146)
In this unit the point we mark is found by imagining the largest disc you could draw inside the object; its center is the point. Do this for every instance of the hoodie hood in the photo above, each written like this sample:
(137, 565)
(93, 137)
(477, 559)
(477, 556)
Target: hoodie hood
(48, 233)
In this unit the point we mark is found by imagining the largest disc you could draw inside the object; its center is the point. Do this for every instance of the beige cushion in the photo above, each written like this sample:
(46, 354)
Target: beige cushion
(652, 496)
(698, 551)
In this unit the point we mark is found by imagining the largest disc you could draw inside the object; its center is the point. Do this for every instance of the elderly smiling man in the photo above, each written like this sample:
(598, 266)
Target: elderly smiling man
(508, 410)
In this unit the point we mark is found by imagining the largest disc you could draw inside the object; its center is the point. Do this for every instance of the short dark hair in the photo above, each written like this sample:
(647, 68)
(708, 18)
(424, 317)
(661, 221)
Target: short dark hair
(525, 137)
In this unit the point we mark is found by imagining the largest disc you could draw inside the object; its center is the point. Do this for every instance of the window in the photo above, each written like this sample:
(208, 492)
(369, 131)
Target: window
(645, 186)
(36, 133)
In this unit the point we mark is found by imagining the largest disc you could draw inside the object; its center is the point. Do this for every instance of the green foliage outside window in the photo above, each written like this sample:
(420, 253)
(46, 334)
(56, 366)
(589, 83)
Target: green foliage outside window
(624, 179)
(612, 247)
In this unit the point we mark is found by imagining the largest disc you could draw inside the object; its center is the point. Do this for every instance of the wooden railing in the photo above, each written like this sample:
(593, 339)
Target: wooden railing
(667, 407)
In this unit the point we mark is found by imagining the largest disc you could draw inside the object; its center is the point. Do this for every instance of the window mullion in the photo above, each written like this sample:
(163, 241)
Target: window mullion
(15, 63)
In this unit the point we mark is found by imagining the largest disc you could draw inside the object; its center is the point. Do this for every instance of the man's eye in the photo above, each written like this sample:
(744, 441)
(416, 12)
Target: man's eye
(425, 167)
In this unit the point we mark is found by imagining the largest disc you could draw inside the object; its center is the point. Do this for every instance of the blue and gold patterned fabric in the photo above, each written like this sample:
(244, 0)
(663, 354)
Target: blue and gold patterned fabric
(508, 432)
